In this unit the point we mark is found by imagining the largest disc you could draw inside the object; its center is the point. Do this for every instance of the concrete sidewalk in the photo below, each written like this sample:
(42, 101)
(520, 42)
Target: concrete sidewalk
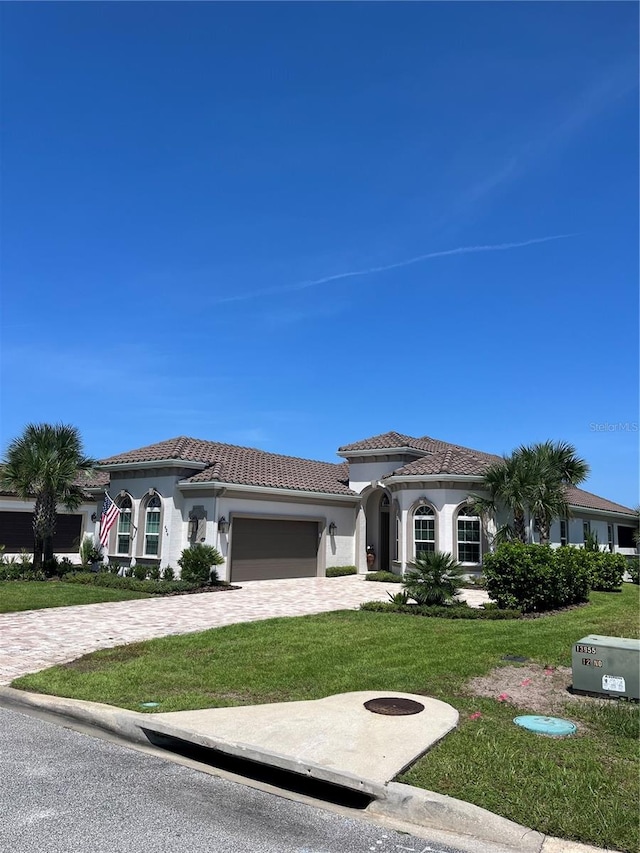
(35, 639)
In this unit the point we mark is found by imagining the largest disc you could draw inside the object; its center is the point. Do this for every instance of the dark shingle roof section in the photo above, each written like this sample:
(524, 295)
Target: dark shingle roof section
(580, 498)
(228, 463)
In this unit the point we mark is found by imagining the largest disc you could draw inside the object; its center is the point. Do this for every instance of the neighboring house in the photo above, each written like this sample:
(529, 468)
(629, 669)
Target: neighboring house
(16, 516)
(280, 516)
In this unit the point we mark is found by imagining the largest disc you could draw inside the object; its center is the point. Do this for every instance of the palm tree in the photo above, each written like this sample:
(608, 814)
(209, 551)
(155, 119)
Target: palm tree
(508, 484)
(551, 467)
(44, 464)
(434, 578)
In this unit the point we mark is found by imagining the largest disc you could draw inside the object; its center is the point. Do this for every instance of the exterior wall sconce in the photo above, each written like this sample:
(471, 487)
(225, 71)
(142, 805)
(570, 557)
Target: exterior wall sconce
(94, 517)
(223, 525)
(193, 527)
(333, 528)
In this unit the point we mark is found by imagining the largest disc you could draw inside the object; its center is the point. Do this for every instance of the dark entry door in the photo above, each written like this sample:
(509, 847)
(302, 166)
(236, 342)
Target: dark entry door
(384, 535)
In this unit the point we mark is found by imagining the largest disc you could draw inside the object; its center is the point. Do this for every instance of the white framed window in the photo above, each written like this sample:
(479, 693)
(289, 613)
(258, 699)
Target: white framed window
(153, 512)
(424, 530)
(564, 531)
(586, 531)
(123, 532)
(610, 538)
(468, 536)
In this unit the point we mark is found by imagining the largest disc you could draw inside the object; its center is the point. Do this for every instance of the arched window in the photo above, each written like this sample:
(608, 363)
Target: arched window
(468, 536)
(123, 533)
(152, 515)
(424, 530)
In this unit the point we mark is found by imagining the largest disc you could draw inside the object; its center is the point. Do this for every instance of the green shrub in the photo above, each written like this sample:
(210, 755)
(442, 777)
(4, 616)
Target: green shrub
(14, 571)
(399, 598)
(168, 574)
(433, 578)
(384, 577)
(452, 611)
(341, 571)
(633, 568)
(197, 564)
(536, 578)
(140, 572)
(154, 573)
(51, 567)
(106, 579)
(89, 552)
(11, 571)
(606, 571)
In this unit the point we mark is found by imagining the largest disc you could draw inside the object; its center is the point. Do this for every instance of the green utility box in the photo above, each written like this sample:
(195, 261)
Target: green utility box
(607, 666)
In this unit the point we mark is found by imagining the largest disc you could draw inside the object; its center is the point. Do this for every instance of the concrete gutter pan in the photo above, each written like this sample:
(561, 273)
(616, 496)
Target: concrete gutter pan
(334, 740)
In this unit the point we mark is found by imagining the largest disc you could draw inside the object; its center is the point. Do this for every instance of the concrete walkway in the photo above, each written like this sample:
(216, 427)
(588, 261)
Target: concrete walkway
(36, 639)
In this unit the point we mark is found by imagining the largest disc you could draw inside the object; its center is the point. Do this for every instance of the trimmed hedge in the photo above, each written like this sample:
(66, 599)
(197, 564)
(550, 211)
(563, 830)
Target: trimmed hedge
(106, 579)
(453, 611)
(384, 577)
(633, 567)
(536, 578)
(606, 570)
(341, 571)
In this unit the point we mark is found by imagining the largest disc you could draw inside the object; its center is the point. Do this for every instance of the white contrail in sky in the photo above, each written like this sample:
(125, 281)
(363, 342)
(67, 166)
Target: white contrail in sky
(461, 250)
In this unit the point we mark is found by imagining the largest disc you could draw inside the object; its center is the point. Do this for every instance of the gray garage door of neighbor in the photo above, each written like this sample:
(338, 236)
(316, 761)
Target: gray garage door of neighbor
(264, 548)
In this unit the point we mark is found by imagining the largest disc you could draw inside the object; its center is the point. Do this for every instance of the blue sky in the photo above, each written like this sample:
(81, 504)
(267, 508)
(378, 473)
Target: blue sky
(292, 226)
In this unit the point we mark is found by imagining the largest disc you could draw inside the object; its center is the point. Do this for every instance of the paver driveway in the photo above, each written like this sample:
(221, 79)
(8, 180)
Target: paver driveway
(35, 639)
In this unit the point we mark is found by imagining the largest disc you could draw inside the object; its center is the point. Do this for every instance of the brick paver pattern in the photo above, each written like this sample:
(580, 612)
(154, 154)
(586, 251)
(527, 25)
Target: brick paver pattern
(36, 639)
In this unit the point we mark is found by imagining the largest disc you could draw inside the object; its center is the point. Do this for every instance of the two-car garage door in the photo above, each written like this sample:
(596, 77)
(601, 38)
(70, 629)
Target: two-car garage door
(263, 548)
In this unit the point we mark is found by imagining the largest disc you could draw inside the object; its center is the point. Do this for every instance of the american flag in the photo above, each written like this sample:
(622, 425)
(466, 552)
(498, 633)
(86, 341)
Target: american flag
(110, 512)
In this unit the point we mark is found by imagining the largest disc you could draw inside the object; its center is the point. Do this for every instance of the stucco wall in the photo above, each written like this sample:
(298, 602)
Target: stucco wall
(362, 474)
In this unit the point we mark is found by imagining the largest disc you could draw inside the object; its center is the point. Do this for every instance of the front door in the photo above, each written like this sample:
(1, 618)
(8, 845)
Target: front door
(385, 516)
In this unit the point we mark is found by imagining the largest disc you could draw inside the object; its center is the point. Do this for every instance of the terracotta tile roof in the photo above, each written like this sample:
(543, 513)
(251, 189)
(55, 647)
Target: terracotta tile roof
(396, 440)
(97, 480)
(182, 448)
(228, 463)
(385, 441)
(578, 497)
(452, 460)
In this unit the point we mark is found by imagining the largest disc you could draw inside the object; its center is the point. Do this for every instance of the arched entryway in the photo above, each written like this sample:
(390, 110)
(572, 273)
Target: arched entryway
(378, 517)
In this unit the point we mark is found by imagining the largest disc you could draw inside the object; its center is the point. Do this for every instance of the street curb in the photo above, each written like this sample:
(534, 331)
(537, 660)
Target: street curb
(413, 807)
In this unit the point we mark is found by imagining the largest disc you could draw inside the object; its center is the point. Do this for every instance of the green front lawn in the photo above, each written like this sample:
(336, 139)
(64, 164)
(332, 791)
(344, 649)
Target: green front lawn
(584, 787)
(34, 595)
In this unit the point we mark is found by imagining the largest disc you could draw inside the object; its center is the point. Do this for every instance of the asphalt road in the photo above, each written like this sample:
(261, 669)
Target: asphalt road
(65, 792)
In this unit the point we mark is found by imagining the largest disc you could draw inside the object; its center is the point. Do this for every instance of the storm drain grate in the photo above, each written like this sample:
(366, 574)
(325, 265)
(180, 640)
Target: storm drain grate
(393, 706)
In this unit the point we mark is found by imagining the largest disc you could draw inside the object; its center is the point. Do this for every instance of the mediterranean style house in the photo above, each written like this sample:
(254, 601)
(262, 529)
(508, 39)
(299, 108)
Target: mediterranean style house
(274, 516)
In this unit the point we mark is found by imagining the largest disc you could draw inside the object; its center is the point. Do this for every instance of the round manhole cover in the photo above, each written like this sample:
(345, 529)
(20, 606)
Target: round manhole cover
(393, 706)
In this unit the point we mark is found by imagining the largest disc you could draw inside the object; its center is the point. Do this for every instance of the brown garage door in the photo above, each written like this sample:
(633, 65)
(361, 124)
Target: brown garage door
(264, 548)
